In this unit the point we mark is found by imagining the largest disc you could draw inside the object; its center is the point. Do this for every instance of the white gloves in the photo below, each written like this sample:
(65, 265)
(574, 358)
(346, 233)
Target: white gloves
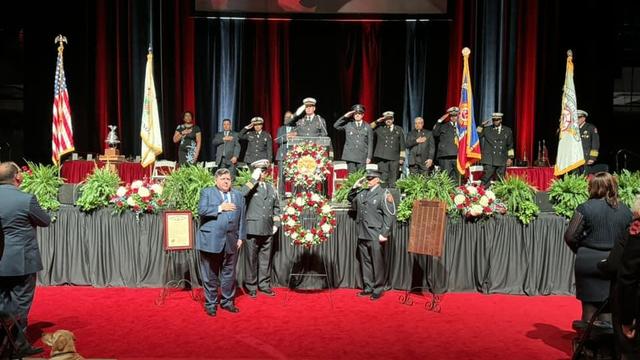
(382, 238)
(300, 110)
(275, 229)
(256, 174)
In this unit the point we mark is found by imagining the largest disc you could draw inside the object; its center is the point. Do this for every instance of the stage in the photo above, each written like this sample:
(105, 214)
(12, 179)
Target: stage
(495, 256)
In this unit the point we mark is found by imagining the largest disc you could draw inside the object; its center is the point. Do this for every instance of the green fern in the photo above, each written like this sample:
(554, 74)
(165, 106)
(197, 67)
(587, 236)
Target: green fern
(244, 176)
(44, 182)
(340, 195)
(437, 186)
(567, 193)
(182, 188)
(98, 189)
(628, 186)
(519, 197)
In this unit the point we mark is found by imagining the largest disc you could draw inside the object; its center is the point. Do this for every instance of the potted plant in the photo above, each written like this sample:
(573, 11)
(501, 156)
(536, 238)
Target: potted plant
(182, 188)
(518, 196)
(98, 189)
(567, 193)
(44, 182)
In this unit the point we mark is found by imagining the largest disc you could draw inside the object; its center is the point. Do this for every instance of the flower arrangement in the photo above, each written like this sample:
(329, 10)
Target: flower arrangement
(141, 196)
(292, 219)
(475, 201)
(307, 164)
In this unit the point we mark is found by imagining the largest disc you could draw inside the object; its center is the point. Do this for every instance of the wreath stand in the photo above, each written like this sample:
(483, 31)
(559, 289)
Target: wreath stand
(307, 253)
(183, 283)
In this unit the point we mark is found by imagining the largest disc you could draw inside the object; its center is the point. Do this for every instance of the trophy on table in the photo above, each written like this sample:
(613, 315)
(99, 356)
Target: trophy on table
(111, 154)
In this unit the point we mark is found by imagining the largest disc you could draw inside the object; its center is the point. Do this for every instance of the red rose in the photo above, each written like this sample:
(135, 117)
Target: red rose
(634, 228)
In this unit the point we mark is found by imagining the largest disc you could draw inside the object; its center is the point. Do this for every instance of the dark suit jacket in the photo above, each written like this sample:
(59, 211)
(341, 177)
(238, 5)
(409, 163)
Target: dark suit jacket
(420, 152)
(446, 134)
(281, 140)
(373, 217)
(228, 149)
(220, 230)
(263, 205)
(258, 146)
(590, 141)
(358, 144)
(629, 280)
(20, 214)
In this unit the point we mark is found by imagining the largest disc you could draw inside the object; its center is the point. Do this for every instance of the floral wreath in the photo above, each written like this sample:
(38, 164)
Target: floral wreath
(292, 225)
(307, 164)
(476, 201)
(141, 196)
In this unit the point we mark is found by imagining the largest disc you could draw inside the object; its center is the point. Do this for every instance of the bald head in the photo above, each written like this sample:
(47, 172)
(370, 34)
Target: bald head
(9, 173)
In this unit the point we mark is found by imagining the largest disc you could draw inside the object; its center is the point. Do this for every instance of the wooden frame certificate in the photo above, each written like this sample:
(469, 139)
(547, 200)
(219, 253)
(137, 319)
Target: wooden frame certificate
(178, 230)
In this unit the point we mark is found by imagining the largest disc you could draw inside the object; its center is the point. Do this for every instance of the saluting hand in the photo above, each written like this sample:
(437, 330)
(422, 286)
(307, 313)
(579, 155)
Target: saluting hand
(349, 113)
(249, 126)
(443, 117)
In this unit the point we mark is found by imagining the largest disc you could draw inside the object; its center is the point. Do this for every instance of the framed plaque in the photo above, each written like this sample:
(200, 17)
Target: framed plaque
(428, 225)
(178, 230)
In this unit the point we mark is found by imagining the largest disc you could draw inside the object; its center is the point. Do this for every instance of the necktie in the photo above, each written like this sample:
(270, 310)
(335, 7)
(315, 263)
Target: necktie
(227, 197)
(226, 133)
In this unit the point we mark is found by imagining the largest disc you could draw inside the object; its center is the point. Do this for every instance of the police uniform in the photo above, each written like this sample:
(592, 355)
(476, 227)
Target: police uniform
(259, 145)
(447, 153)
(590, 141)
(281, 140)
(375, 216)
(262, 214)
(225, 150)
(420, 152)
(497, 146)
(309, 125)
(358, 146)
(389, 149)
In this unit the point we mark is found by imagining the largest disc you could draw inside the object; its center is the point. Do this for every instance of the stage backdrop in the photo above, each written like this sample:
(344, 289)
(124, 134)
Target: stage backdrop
(495, 256)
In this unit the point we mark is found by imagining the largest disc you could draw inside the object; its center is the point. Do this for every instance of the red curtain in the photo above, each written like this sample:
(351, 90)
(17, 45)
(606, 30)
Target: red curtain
(455, 55)
(526, 53)
(183, 63)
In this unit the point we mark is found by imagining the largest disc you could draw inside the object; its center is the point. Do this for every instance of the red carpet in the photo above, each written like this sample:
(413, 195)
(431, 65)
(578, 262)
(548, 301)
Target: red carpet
(126, 323)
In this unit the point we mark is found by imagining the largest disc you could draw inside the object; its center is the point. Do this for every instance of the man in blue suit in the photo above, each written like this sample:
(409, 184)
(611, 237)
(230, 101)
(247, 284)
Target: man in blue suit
(221, 233)
(20, 214)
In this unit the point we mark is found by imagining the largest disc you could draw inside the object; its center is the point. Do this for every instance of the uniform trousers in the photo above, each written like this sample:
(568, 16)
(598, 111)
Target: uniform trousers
(258, 275)
(372, 262)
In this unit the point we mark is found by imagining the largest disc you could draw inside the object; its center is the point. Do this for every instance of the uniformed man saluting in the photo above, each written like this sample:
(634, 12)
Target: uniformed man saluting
(375, 215)
(307, 122)
(590, 140)
(259, 143)
(389, 148)
(447, 133)
(358, 146)
(497, 148)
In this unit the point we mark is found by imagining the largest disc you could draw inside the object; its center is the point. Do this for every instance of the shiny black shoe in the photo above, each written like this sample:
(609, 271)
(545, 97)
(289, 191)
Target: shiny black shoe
(268, 292)
(251, 293)
(365, 293)
(230, 308)
(26, 351)
(376, 296)
(210, 312)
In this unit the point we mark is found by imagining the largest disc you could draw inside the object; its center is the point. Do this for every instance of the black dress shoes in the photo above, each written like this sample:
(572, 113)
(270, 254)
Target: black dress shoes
(26, 351)
(376, 296)
(268, 292)
(231, 308)
(252, 293)
(210, 311)
(365, 293)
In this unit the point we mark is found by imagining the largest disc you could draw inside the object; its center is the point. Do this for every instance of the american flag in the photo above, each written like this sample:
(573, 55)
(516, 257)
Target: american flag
(61, 130)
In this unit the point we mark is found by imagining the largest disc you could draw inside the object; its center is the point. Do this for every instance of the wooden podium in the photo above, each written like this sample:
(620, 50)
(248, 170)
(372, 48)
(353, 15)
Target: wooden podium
(112, 158)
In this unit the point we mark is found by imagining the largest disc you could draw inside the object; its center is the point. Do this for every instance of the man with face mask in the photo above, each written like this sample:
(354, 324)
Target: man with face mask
(389, 149)
(358, 146)
(497, 148)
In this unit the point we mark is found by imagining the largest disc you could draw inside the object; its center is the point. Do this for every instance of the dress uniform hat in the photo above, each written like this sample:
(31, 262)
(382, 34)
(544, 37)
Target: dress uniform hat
(497, 115)
(309, 101)
(358, 108)
(257, 120)
(582, 113)
(387, 114)
(453, 110)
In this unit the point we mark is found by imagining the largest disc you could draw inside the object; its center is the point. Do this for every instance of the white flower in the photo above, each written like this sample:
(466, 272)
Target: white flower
(122, 191)
(325, 227)
(299, 201)
(157, 188)
(309, 237)
(294, 235)
(315, 197)
(131, 201)
(326, 209)
(472, 190)
(484, 201)
(475, 210)
(459, 199)
(143, 191)
(136, 184)
(290, 222)
(290, 210)
(490, 195)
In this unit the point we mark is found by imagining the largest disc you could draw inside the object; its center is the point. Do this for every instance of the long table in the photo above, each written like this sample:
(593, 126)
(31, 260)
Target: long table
(495, 256)
(76, 171)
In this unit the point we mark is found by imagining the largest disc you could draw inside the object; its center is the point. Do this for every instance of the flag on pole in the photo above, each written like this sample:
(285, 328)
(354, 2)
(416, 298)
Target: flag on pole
(468, 139)
(150, 126)
(570, 154)
(61, 129)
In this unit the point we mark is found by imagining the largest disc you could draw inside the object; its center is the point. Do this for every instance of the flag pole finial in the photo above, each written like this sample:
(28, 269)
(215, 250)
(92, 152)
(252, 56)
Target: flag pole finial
(569, 53)
(60, 40)
(466, 51)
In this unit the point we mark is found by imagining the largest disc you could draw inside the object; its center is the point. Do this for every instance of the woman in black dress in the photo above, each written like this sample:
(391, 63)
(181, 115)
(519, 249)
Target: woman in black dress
(189, 137)
(595, 227)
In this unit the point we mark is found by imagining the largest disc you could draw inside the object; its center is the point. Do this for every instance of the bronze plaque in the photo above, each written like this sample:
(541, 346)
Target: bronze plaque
(428, 224)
